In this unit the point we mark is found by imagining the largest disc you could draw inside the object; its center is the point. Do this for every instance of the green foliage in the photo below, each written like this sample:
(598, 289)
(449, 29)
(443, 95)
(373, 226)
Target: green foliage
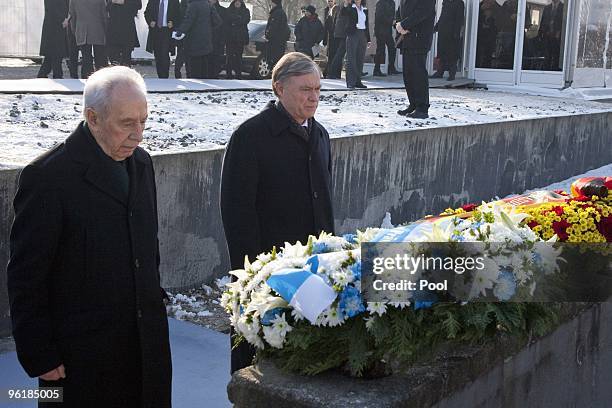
(406, 335)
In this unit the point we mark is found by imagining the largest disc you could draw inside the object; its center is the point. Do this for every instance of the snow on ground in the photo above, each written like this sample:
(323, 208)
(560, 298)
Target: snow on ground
(31, 124)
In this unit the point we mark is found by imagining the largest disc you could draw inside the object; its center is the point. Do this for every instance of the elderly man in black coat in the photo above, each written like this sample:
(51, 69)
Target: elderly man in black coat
(83, 279)
(53, 38)
(121, 37)
(415, 27)
(449, 37)
(276, 177)
(161, 15)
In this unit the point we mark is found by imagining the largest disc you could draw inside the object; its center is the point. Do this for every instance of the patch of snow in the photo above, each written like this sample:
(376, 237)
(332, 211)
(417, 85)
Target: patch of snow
(32, 124)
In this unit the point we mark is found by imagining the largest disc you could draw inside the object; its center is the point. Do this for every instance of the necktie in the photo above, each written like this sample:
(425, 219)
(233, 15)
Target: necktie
(160, 14)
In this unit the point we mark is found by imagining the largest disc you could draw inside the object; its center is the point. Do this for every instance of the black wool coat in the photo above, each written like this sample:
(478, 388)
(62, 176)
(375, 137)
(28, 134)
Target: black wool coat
(121, 29)
(418, 17)
(237, 20)
(275, 186)
(199, 22)
(449, 28)
(83, 278)
(277, 29)
(384, 16)
(53, 38)
(308, 32)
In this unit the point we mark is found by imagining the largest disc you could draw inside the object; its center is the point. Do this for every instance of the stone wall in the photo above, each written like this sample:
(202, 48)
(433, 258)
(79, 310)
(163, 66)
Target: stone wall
(410, 174)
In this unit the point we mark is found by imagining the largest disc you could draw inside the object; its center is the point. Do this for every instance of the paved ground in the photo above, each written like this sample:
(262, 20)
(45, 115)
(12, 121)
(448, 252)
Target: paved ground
(19, 76)
(200, 359)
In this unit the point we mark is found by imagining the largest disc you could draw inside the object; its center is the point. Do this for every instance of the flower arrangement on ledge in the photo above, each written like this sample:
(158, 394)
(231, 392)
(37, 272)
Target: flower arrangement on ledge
(323, 322)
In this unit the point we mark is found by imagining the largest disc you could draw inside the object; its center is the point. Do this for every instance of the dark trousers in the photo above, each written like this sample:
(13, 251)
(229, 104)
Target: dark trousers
(181, 59)
(356, 45)
(448, 63)
(416, 80)
(241, 356)
(276, 52)
(335, 70)
(234, 59)
(73, 54)
(98, 58)
(332, 47)
(385, 40)
(198, 66)
(120, 55)
(161, 51)
(49, 64)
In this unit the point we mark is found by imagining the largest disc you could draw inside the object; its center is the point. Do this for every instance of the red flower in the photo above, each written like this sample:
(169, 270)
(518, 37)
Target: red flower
(469, 207)
(608, 183)
(560, 228)
(558, 210)
(532, 224)
(580, 198)
(605, 228)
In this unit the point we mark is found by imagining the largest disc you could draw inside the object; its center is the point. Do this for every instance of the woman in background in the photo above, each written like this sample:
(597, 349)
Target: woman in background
(238, 17)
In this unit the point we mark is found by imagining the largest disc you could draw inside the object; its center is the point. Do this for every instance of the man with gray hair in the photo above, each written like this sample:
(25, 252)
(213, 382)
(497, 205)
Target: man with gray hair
(277, 173)
(83, 276)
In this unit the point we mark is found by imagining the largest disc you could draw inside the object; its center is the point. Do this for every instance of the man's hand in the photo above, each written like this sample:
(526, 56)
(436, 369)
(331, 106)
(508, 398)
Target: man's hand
(152, 24)
(65, 23)
(55, 374)
(400, 29)
(170, 24)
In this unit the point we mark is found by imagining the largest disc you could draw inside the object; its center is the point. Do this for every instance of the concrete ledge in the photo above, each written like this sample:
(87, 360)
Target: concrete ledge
(569, 367)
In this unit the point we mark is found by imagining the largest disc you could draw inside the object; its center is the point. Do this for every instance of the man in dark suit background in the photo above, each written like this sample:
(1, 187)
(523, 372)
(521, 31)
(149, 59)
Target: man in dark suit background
(383, 26)
(83, 275)
(161, 15)
(276, 177)
(416, 26)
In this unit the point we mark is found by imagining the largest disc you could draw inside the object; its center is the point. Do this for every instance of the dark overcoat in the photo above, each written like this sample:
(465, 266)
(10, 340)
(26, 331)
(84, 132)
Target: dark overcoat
(275, 186)
(418, 17)
(237, 20)
(53, 38)
(308, 32)
(384, 16)
(83, 278)
(449, 28)
(198, 23)
(122, 24)
(277, 29)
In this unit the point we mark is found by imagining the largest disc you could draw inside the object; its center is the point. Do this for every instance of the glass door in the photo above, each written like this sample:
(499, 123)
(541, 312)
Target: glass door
(497, 27)
(543, 48)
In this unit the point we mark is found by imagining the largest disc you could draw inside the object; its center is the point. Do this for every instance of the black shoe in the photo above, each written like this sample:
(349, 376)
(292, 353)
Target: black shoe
(451, 77)
(437, 75)
(408, 110)
(417, 114)
(379, 74)
(393, 72)
(360, 86)
(364, 74)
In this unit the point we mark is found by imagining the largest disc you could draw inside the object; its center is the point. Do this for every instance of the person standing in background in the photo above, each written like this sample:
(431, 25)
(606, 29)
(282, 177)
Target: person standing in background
(416, 26)
(238, 17)
(180, 59)
(217, 59)
(73, 50)
(550, 30)
(330, 14)
(449, 37)
(161, 16)
(122, 38)
(357, 40)
(308, 31)
(277, 32)
(384, 17)
(340, 28)
(53, 38)
(198, 24)
(88, 20)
